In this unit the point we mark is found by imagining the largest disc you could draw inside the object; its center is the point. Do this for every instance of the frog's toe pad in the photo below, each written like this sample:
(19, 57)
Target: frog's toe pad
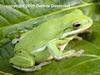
(79, 53)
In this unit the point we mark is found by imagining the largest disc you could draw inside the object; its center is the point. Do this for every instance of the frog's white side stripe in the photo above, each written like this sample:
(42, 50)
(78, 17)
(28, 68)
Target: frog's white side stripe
(72, 32)
(77, 31)
(39, 49)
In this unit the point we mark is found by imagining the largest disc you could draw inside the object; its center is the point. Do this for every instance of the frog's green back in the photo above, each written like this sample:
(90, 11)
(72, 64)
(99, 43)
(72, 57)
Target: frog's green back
(46, 31)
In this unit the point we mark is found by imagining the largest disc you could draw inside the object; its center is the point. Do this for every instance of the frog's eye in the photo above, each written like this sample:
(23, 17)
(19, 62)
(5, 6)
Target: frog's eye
(76, 25)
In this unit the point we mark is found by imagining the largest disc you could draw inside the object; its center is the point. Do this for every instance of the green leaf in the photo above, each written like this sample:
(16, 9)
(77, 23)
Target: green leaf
(15, 21)
(3, 73)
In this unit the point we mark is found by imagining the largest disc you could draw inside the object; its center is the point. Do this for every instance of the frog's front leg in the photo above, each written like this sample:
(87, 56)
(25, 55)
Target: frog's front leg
(64, 42)
(58, 54)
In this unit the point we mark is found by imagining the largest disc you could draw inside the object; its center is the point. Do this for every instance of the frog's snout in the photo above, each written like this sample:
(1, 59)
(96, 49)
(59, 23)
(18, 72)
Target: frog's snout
(90, 21)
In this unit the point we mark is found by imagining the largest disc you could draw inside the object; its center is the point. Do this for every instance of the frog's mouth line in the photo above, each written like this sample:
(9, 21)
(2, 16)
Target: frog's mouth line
(81, 30)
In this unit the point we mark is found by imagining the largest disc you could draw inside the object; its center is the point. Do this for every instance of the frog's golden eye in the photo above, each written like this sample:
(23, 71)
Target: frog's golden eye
(76, 25)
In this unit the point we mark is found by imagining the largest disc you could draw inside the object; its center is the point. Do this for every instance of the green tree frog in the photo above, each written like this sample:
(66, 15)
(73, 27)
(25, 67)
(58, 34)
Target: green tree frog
(48, 40)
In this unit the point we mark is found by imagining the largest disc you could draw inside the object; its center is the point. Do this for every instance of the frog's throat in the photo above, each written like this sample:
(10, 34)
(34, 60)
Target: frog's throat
(76, 31)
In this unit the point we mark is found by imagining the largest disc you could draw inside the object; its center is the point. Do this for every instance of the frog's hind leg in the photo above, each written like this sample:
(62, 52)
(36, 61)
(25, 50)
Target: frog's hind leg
(35, 68)
(38, 67)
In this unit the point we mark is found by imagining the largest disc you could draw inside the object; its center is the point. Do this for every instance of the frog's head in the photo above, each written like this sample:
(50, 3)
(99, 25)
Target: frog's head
(21, 59)
(78, 23)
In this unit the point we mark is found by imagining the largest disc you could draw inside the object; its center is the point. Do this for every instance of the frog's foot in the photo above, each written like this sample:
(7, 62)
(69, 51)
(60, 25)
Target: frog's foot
(15, 41)
(78, 53)
(73, 53)
(35, 68)
(78, 38)
(38, 67)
